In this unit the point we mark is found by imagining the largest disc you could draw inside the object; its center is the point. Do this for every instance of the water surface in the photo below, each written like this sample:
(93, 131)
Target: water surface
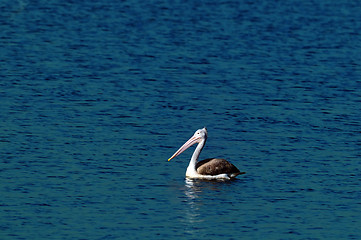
(96, 96)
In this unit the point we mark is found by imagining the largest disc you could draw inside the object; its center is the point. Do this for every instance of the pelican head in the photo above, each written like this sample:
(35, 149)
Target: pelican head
(199, 136)
(202, 133)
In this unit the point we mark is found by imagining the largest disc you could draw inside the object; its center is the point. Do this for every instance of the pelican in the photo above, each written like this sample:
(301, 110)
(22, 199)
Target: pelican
(211, 168)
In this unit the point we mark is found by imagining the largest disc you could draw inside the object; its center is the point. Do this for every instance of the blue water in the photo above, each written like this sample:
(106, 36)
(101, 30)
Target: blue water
(97, 95)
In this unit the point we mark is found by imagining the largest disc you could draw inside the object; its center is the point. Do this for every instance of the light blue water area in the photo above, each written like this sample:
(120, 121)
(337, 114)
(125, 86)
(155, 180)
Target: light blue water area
(97, 95)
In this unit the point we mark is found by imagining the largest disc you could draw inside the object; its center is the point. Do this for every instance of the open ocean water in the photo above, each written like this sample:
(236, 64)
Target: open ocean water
(97, 95)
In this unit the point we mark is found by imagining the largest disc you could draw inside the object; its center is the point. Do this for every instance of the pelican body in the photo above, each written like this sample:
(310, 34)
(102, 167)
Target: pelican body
(211, 168)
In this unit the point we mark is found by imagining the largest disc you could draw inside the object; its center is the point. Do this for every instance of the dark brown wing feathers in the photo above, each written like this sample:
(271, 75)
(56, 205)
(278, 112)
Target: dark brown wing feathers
(215, 166)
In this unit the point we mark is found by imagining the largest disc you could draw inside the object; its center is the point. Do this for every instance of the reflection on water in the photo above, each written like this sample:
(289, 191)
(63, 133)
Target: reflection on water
(192, 189)
(192, 192)
(200, 197)
(193, 215)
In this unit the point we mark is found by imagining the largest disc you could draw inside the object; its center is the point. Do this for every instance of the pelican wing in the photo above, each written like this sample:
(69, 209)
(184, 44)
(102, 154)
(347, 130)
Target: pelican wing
(215, 166)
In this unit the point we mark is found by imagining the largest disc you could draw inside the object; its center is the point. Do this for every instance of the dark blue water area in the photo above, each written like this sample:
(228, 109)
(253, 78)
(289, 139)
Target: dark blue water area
(97, 95)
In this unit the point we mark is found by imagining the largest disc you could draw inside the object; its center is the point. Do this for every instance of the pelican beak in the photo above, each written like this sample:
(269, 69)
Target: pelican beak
(190, 142)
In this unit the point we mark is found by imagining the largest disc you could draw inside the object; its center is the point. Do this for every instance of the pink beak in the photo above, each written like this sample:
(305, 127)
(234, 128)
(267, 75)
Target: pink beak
(190, 142)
